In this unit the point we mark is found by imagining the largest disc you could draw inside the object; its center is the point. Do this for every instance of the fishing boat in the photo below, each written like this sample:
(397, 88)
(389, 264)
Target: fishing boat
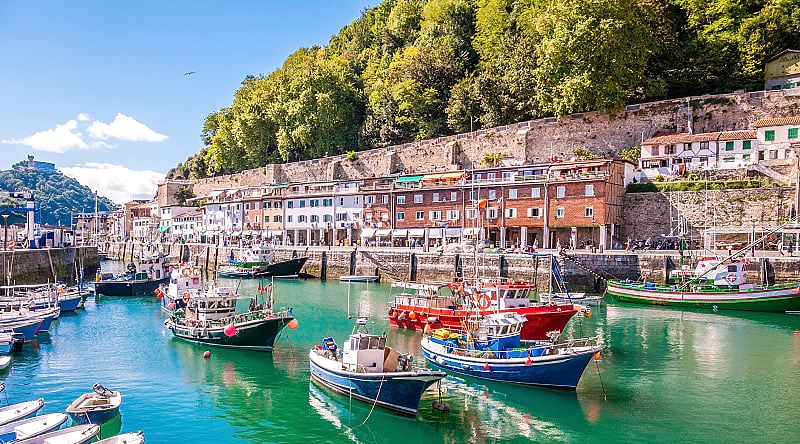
(28, 428)
(490, 348)
(152, 272)
(420, 306)
(125, 438)
(716, 284)
(79, 434)
(208, 315)
(573, 298)
(367, 370)
(22, 410)
(259, 261)
(96, 407)
(27, 328)
(5, 361)
(359, 278)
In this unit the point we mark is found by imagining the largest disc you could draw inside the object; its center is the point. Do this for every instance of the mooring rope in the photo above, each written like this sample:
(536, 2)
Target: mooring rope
(374, 403)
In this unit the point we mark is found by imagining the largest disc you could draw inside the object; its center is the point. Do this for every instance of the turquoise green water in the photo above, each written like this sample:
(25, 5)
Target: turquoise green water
(668, 376)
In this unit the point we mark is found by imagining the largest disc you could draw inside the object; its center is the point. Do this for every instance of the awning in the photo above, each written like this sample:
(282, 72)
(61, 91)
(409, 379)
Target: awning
(383, 232)
(416, 232)
(435, 233)
(162, 228)
(572, 166)
(472, 231)
(247, 233)
(407, 179)
(368, 232)
(273, 233)
(452, 232)
(215, 193)
(279, 185)
(399, 233)
(236, 233)
(443, 176)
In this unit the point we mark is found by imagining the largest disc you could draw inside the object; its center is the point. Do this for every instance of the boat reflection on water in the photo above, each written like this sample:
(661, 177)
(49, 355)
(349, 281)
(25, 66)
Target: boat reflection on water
(332, 411)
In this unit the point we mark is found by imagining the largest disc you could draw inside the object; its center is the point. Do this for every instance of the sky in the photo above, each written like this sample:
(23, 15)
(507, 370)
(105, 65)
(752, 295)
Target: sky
(100, 87)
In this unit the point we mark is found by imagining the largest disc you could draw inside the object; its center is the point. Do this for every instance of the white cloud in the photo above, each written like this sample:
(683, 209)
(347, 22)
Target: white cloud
(118, 183)
(125, 128)
(60, 139)
(84, 117)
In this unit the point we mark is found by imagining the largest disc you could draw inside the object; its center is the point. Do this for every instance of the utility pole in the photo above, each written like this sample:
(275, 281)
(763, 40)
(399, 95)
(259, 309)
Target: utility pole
(5, 244)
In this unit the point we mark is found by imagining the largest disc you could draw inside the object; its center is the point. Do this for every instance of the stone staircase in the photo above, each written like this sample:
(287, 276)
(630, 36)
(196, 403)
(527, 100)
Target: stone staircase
(782, 179)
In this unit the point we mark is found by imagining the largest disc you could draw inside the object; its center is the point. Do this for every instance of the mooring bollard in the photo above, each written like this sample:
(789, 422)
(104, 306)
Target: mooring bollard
(503, 266)
(352, 262)
(459, 268)
(323, 267)
(412, 272)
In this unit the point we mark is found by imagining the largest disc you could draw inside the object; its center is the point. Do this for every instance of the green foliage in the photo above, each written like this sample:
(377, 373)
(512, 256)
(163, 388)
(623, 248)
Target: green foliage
(57, 196)
(582, 153)
(492, 159)
(658, 178)
(351, 156)
(633, 154)
(183, 194)
(413, 69)
(650, 187)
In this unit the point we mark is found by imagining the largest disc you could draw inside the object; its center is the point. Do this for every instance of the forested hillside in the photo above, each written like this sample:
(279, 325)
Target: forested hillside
(412, 69)
(57, 196)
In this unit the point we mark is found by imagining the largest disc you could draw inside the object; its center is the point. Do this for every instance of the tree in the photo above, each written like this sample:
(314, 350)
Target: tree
(183, 194)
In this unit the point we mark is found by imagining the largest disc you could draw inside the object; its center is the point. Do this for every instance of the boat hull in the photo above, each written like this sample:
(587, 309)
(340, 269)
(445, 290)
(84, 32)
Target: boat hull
(259, 334)
(288, 269)
(540, 320)
(27, 329)
(562, 372)
(128, 288)
(359, 278)
(777, 300)
(400, 392)
(70, 303)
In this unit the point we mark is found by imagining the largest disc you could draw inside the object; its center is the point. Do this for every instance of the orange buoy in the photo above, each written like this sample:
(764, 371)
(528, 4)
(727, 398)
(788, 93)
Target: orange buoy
(293, 324)
(412, 315)
(206, 354)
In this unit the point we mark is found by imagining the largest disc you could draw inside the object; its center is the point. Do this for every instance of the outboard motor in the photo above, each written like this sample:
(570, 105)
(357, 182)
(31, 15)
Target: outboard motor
(131, 268)
(102, 391)
(404, 362)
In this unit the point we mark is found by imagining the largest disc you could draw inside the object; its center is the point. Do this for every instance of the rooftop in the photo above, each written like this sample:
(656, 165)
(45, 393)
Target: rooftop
(701, 137)
(777, 121)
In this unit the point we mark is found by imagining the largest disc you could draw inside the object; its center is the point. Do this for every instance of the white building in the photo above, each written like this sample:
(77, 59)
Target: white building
(167, 214)
(677, 153)
(778, 138)
(188, 226)
(308, 213)
(349, 212)
(222, 215)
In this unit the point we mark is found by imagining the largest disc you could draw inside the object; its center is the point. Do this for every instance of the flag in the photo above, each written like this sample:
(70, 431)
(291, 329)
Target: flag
(260, 288)
(269, 289)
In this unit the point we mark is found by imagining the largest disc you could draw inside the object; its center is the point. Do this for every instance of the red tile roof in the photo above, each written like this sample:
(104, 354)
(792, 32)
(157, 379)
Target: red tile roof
(777, 121)
(702, 137)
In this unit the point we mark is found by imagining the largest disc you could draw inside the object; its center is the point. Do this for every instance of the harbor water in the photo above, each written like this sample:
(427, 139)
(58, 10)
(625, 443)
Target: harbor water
(666, 376)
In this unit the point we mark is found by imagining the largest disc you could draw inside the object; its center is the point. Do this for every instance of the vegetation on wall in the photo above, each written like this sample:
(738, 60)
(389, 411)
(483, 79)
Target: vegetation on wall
(413, 69)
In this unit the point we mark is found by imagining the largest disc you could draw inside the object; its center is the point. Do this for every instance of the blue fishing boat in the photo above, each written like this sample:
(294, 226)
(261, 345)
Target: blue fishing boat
(46, 316)
(96, 407)
(490, 348)
(26, 327)
(367, 370)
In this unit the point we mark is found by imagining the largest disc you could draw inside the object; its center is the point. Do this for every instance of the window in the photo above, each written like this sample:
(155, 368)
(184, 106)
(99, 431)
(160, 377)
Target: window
(420, 215)
(560, 213)
(769, 135)
(302, 203)
(492, 194)
(655, 150)
(290, 204)
(703, 145)
(256, 219)
(435, 215)
(436, 197)
(507, 176)
(472, 214)
(401, 216)
(315, 202)
(369, 200)
(343, 216)
(452, 215)
(536, 192)
(511, 213)
(418, 198)
(301, 218)
(729, 159)
(670, 149)
(490, 176)
(454, 196)
(792, 133)
(278, 204)
(267, 205)
(746, 157)
(561, 192)
(534, 212)
(588, 212)
(401, 200)
(473, 196)
(328, 202)
(773, 154)
(247, 206)
(314, 218)
(386, 198)
(327, 218)
(491, 213)
(588, 190)
(277, 218)
(729, 145)
(512, 193)
(745, 144)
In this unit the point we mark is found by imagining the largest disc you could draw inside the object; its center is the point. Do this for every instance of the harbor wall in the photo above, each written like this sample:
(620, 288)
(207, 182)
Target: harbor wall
(656, 214)
(51, 264)
(605, 133)
(582, 271)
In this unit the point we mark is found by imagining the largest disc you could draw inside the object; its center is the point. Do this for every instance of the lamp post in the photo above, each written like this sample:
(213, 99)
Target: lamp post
(5, 243)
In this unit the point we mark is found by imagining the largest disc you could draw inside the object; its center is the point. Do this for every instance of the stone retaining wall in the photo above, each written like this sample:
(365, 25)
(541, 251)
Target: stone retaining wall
(51, 264)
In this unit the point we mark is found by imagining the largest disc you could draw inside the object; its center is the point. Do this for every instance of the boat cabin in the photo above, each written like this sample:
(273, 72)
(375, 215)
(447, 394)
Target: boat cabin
(212, 308)
(423, 296)
(258, 253)
(505, 296)
(498, 331)
(364, 352)
(184, 278)
(150, 267)
(728, 274)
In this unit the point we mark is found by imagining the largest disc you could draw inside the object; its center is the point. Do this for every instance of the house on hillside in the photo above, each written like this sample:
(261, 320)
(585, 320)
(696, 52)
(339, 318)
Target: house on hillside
(778, 138)
(782, 71)
(678, 153)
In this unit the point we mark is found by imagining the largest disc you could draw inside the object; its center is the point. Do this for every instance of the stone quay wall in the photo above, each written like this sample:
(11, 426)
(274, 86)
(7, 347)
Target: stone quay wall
(531, 141)
(656, 214)
(583, 272)
(51, 264)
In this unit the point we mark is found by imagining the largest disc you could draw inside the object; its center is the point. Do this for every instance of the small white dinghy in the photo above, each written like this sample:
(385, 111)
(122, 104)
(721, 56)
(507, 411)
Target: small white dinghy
(125, 438)
(22, 410)
(359, 278)
(5, 361)
(28, 428)
(74, 435)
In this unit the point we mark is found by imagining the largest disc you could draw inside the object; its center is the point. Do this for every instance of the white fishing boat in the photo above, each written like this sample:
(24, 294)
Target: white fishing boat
(28, 428)
(74, 435)
(359, 278)
(5, 361)
(22, 410)
(125, 438)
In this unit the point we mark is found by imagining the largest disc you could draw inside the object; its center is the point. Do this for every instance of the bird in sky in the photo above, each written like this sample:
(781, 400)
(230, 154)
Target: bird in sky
(188, 73)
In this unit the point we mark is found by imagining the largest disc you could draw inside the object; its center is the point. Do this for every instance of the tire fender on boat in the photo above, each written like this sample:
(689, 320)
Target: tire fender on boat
(186, 297)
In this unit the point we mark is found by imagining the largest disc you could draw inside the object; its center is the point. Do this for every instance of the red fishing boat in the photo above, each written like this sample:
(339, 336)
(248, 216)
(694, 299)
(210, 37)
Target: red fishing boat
(439, 305)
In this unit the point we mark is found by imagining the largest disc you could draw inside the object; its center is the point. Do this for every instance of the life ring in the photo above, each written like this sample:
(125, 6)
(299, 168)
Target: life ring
(61, 291)
(196, 271)
(483, 302)
(731, 278)
(186, 272)
(186, 297)
(391, 312)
